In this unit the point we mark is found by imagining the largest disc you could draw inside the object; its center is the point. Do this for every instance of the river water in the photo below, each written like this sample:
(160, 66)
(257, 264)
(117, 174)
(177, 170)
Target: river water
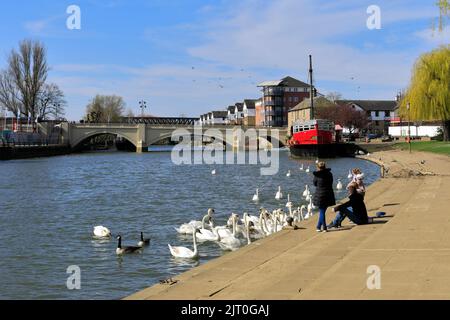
(48, 207)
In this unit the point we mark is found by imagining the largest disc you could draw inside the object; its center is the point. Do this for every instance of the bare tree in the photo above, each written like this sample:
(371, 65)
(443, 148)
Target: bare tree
(28, 69)
(105, 109)
(333, 96)
(9, 94)
(51, 102)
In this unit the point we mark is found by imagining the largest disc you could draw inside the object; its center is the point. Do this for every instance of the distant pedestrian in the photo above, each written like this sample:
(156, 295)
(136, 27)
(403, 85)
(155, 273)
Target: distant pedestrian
(324, 194)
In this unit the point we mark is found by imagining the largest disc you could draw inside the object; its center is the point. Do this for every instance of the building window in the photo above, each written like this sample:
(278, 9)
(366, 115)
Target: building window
(377, 113)
(295, 99)
(387, 113)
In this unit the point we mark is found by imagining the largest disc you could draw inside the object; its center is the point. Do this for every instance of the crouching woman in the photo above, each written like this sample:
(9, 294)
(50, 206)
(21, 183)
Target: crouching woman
(354, 209)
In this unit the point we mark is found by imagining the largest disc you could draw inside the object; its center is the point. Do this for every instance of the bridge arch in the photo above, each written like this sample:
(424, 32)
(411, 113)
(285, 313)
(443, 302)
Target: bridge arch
(97, 132)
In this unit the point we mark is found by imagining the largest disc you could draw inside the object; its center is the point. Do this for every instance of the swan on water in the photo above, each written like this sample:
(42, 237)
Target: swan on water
(213, 172)
(308, 197)
(207, 235)
(307, 169)
(231, 242)
(125, 249)
(288, 174)
(256, 195)
(301, 167)
(183, 252)
(101, 232)
(339, 185)
(306, 192)
(188, 228)
(350, 175)
(143, 242)
(279, 195)
(289, 202)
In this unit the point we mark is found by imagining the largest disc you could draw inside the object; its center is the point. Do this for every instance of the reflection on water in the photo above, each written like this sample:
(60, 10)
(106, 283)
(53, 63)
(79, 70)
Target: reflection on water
(50, 206)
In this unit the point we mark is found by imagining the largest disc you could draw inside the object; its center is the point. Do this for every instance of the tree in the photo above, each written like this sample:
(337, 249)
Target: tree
(333, 96)
(105, 109)
(9, 94)
(51, 102)
(28, 70)
(444, 14)
(428, 94)
(344, 115)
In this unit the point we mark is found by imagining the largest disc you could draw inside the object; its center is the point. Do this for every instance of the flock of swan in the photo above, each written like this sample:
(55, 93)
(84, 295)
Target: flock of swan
(237, 232)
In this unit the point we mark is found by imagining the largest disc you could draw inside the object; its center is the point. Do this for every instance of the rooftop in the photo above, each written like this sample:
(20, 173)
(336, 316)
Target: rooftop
(371, 105)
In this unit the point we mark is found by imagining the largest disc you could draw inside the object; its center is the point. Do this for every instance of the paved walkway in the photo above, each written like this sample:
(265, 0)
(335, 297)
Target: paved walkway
(411, 246)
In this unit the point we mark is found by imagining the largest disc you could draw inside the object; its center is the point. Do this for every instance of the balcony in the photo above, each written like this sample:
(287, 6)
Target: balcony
(273, 91)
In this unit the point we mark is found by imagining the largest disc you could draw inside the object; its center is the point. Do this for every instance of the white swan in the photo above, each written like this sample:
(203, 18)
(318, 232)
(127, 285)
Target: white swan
(207, 235)
(339, 185)
(308, 197)
(301, 167)
(307, 169)
(188, 228)
(213, 172)
(350, 175)
(231, 242)
(317, 160)
(279, 195)
(311, 206)
(298, 214)
(289, 202)
(183, 252)
(256, 195)
(305, 193)
(288, 174)
(101, 232)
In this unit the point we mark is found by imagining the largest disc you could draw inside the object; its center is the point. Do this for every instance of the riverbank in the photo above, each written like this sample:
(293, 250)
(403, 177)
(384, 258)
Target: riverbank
(410, 246)
(25, 152)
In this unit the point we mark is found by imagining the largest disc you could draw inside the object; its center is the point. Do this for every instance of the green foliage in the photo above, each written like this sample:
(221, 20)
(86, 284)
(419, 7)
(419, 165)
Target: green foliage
(429, 90)
(105, 109)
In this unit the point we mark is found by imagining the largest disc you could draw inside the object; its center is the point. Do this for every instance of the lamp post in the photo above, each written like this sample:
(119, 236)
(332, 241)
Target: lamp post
(142, 105)
(408, 107)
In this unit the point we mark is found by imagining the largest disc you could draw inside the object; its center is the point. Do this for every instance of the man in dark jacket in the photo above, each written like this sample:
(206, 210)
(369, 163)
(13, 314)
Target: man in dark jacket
(324, 194)
(354, 209)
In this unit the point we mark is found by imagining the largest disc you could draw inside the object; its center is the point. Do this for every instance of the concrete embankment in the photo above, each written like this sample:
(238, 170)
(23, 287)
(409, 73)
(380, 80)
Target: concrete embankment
(410, 247)
(19, 152)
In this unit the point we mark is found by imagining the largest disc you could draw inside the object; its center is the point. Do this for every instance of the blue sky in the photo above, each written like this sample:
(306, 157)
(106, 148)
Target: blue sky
(192, 56)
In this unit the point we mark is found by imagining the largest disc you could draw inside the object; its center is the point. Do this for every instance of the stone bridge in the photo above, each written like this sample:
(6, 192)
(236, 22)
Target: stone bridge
(144, 135)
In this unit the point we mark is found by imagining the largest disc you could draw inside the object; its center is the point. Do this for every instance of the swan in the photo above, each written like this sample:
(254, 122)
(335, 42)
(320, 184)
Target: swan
(311, 205)
(207, 235)
(183, 252)
(213, 172)
(289, 202)
(143, 242)
(126, 249)
(339, 185)
(350, 175)
(298, 214)
(279, 195)
(308, 197)
(307, 169)
(301, 167)
(288, 174)
(317, 160)
(305, 193)
(256, 195)
(308, 213)
(230, 243)
(101, 232)
(188, 228)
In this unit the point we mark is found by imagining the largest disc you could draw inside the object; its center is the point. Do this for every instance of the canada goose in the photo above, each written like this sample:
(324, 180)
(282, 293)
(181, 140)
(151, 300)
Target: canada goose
(126, 249)
(143, 242)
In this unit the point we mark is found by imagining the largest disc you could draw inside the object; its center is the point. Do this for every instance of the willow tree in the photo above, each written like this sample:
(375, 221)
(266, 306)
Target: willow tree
(428, 94)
